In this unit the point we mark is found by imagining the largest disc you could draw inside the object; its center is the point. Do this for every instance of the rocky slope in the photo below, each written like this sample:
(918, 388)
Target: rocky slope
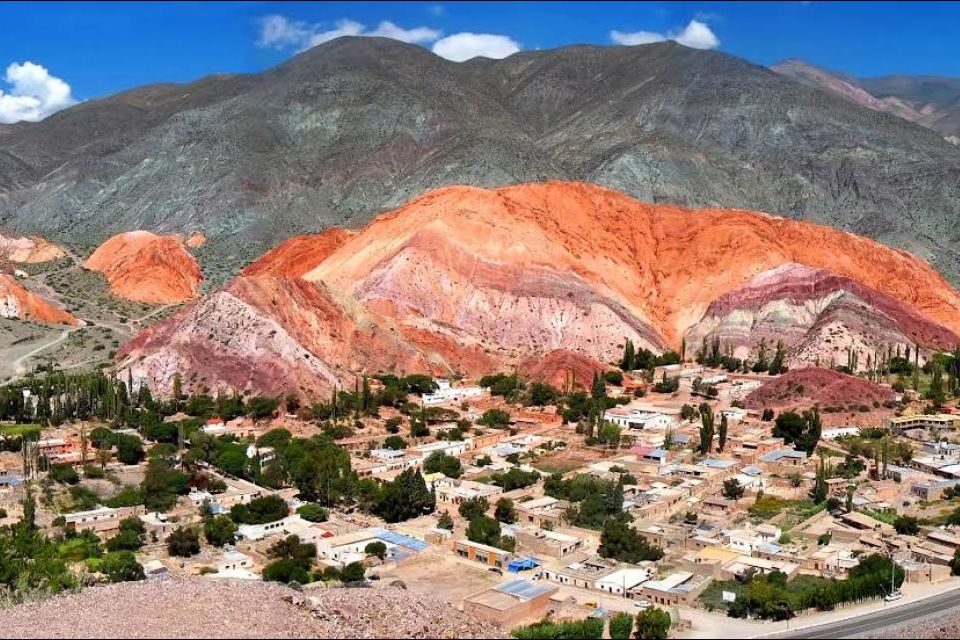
(251, 159)
(218, 608)
(28, 249)
(146, 267)
(813, 386)
(931, 101)
(818, 315)
(18, 302)
(469, 280)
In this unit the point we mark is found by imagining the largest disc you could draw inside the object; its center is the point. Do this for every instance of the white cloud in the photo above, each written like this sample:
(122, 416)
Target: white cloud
(464, 46)
(280, 32)
(34, 94)
(387, 29)
(697, 35)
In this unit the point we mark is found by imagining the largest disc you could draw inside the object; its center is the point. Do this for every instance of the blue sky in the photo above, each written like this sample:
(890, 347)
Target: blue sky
(80, 51)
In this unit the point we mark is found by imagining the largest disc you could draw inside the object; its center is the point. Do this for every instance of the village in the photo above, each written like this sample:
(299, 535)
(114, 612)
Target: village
(664, 491)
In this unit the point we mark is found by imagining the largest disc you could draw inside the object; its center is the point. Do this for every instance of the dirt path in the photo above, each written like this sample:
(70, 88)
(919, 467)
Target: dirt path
(18, 364)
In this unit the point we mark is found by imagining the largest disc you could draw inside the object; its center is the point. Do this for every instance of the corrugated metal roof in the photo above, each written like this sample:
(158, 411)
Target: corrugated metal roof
(524, 589)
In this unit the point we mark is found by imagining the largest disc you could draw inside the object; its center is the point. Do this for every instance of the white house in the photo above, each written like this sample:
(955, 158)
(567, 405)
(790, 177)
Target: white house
(637, 418)
(447, 393)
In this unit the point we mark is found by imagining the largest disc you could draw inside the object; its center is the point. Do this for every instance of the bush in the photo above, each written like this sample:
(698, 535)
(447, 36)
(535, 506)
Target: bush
(589, 629)
(439, 462)
(376, 549)
(495, 418)
(64, 473)
(286, 570)
(313, 512)
(473, 508)
(93, 471)
(653, 624)
(129, 537)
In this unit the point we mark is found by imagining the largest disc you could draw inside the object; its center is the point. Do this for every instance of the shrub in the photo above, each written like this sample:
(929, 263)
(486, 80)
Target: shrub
(183, 542)
(121, 566)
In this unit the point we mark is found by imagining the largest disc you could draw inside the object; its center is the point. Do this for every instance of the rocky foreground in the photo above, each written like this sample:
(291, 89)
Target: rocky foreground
(945, 626)
(212, 608)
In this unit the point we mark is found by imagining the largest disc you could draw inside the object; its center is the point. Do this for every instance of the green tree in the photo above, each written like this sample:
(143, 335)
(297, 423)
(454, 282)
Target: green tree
(653, 623)
(706, 428)
(621, 626)
(722, 434)
(732, 489)
(376, 549)
(439, 462)
(445, 521)
(183, 542)
(121, 566)
(219, 530)
(505, 511)
(405, 497)
(313, 512)
(819, 492)
(622, 542)
(474, 508)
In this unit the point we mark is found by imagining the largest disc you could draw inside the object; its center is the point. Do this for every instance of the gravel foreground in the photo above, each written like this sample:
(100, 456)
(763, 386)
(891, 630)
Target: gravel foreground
(945, 626)
(215, 608)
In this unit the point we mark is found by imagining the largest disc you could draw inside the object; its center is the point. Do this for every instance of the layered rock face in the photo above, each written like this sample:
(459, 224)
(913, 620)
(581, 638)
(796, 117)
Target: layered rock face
(814, 386)
(18, 302)
(818, 314)
(28, 249)
(145, 267)
(470, 280)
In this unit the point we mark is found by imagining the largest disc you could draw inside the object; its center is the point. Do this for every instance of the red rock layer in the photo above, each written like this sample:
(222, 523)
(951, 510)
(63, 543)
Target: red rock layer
(298, 255)
(145, 267)
(562, 369)
(466, 280)
(18, 302)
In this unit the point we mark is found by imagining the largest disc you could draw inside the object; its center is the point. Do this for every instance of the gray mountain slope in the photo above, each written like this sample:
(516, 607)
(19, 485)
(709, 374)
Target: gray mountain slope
(359, 125)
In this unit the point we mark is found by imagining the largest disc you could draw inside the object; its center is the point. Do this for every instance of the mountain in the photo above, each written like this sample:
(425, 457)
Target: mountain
(30, 250)
(931, 101)
(145, 267)
(470, 281)
(357, 126)
(16, 301)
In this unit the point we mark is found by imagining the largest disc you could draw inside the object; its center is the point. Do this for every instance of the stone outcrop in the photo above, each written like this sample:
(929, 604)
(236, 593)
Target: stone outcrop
(18, 302)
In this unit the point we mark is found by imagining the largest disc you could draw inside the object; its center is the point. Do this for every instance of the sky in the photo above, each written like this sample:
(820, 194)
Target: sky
(53, 55)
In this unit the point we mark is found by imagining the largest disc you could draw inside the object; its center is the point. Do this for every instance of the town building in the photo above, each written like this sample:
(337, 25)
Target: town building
(510, 602)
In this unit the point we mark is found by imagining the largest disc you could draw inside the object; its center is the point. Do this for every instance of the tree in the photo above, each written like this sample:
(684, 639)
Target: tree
(505, 511)
(269, 508)
(286, 570)
(183, 542)
(405, 497)
(622, 542)
(485, 530)
(621, 626)
(722, 433)
(819, 492)
(955, 563)
(130, 536)
(706, 428)
(219, 530)
(598, 389)
(103, 457)
(121, 566)
(495, 418)
(653, 623)
(626, 362)
(129, 448)
(397, 443)
(64, 473)
(732, 489)
(352, 573)
(474, 508)
(439, 462)
(445, 521)
(376, 549)
(906, 525)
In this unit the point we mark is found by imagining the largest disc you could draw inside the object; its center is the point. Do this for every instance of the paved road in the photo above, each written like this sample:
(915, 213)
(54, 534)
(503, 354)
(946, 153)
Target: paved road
(872, 622)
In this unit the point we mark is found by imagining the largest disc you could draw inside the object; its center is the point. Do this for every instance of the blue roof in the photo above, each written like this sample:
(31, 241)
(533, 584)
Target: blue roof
(714, 463)
(774, 456)
(770, 547)
(524, 589)
(400, 540)
(680, 438)
(11, 480)
(657, 453)
(752, 470)
(523, 564)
